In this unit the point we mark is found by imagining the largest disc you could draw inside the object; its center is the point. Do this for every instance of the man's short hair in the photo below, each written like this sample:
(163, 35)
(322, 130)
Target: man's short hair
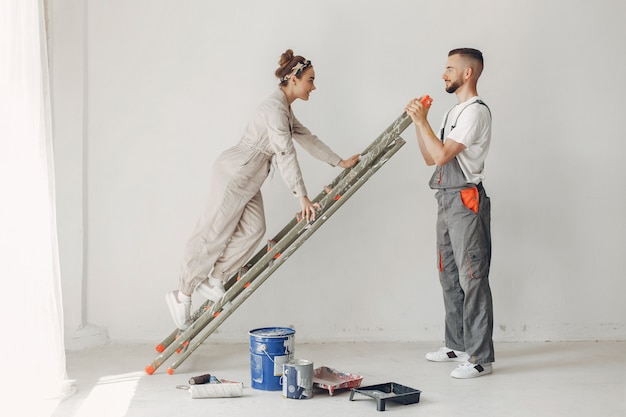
(471, 53)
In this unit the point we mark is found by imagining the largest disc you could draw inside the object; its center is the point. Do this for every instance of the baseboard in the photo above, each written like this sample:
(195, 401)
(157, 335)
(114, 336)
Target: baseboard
(86, 336)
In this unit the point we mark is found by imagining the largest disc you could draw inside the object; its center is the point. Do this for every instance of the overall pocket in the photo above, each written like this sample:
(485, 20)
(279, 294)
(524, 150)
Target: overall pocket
(470, 199)
(478, 263)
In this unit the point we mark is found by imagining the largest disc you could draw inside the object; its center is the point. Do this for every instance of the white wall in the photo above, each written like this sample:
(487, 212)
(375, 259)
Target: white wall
(172, 84)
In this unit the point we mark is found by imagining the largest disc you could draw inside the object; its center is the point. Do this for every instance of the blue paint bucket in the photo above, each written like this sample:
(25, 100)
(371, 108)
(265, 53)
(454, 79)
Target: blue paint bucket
(270, 348)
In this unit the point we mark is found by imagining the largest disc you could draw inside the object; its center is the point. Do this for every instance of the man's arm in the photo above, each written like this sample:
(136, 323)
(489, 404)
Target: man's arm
(433, 150)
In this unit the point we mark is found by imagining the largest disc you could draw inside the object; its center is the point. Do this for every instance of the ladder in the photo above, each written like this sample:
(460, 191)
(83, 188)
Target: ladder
(207, 318)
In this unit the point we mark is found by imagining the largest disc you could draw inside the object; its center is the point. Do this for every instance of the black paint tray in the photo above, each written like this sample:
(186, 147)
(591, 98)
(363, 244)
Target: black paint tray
(389, 391)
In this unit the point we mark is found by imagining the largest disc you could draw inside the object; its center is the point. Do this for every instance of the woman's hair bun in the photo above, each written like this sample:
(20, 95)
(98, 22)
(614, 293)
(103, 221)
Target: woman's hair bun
(286, 64)
(285, 57)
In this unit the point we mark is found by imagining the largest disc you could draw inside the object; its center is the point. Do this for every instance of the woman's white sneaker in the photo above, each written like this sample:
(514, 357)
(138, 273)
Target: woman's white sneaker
(468, 370)
(180, 311)
(211, 288)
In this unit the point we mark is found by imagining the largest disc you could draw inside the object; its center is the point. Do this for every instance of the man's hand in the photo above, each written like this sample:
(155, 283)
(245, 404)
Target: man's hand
(418, 110)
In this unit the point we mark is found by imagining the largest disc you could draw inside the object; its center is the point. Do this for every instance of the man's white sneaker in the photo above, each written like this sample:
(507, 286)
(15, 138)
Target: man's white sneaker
(445, 354)
(179, 311)
(471, 370)
(211, 288)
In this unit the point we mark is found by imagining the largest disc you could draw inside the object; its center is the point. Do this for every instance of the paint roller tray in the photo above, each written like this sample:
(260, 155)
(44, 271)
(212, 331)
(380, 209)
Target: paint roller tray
(389, 391)
(332, 379)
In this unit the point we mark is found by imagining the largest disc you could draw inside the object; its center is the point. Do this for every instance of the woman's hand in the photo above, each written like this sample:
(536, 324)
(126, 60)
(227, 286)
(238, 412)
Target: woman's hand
(350, 162)
(309, 209)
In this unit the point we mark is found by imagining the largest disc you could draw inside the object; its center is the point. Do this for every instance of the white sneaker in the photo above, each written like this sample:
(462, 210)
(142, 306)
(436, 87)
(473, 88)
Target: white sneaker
(445, 354)
(471, 370)
(211, 288)
(180, 312)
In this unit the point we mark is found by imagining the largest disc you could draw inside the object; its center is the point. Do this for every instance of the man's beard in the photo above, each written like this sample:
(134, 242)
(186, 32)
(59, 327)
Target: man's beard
(454, 86)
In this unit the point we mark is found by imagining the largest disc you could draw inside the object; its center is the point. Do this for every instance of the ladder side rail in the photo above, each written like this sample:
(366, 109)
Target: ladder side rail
(378, 145)
(256, 282)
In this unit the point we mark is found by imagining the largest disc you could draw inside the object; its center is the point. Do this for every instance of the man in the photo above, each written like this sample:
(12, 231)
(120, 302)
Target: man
(463, 218)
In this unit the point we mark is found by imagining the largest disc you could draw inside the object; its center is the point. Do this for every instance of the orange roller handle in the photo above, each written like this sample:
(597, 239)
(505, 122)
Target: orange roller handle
(426, 101)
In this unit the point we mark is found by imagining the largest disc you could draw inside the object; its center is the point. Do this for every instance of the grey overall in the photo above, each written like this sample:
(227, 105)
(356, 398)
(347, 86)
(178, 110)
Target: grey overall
(464, 256)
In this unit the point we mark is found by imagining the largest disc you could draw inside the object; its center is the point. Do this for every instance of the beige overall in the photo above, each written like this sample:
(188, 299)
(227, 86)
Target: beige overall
(233, 222)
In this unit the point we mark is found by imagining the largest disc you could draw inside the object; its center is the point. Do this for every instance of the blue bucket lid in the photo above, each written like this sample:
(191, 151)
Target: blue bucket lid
(272, 332)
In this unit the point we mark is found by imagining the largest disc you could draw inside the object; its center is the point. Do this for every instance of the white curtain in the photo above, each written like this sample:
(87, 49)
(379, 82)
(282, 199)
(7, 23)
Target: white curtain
(32, 352)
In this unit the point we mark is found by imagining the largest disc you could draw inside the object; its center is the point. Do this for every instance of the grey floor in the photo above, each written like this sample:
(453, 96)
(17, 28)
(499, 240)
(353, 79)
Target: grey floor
(529, 379)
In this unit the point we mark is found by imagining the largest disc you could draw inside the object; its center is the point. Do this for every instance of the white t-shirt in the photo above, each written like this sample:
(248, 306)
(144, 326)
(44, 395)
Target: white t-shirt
(472, 129)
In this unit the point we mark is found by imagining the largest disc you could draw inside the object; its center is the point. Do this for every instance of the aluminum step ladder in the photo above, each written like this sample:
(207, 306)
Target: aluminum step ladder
(207, 318)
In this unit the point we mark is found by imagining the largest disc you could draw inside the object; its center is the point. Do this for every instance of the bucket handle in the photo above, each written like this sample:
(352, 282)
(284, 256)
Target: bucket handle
(263, 348)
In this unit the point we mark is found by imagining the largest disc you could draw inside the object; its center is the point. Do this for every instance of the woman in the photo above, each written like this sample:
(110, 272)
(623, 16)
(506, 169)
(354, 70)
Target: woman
(233, 223)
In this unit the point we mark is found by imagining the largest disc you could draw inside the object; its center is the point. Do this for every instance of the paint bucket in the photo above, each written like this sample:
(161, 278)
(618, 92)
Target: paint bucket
(270, 348)
(298, 379)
